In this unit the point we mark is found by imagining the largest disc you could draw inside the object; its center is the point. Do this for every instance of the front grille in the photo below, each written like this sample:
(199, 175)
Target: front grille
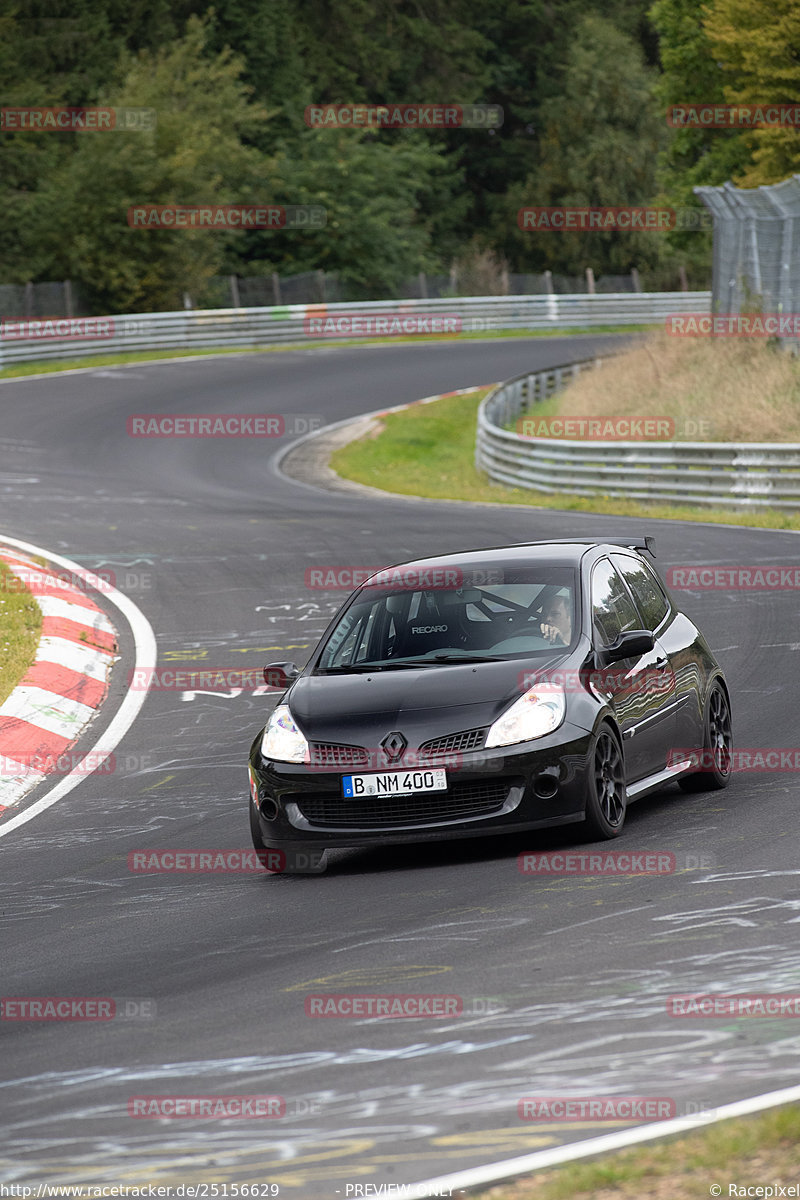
(462, 801)
(455, 743)
(330, 754)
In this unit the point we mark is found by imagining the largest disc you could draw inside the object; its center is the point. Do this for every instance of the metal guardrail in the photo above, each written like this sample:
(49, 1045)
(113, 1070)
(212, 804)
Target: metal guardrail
(728, 474)
(197, 329)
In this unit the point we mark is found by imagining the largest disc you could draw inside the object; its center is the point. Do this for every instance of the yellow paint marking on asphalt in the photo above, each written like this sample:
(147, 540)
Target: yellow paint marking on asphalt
(160, 783)
(245, 1164)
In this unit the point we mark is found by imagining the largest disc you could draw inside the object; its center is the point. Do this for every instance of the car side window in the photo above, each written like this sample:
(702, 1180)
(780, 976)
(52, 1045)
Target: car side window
(613, 612)
(648, 595)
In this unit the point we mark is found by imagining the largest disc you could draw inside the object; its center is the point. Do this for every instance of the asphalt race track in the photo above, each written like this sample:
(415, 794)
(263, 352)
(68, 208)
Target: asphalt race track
(564, 979)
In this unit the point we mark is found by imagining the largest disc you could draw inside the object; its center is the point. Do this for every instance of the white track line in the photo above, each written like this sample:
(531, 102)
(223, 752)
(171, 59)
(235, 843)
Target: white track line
(145, 659)
(496, 1172)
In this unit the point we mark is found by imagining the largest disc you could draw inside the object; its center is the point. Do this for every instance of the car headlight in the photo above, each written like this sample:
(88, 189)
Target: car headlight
(282, 739)
(538, 712)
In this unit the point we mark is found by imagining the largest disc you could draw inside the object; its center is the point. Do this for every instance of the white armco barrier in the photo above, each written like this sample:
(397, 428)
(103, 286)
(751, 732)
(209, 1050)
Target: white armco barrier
(37, 338)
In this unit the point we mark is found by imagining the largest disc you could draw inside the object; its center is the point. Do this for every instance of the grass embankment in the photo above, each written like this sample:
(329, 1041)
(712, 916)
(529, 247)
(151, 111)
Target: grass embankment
(715, 390)
(757, 1151)
(744, 391)
(20, 628)
(48, 366)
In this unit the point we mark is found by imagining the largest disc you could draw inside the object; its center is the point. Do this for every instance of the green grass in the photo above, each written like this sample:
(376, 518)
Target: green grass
(20, 627)
(758, 1150)
(48, 366)
(428, 450)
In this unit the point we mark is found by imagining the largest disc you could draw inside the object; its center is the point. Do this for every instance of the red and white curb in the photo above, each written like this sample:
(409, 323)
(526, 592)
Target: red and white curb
(62, 691)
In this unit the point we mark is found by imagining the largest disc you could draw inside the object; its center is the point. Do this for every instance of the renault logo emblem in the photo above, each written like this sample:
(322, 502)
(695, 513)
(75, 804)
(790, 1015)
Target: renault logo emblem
(394, 744)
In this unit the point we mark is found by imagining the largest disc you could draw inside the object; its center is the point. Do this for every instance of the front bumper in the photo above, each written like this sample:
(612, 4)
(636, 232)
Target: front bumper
(511, 788)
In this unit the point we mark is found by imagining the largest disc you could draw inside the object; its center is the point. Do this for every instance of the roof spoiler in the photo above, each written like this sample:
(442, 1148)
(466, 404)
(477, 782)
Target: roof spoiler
(647, 543)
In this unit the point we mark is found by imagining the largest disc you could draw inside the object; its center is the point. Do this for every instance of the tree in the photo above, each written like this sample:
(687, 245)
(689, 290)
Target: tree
(598, 147)
(692, 75)
(758, 48)
(194, 155)
(373, 190)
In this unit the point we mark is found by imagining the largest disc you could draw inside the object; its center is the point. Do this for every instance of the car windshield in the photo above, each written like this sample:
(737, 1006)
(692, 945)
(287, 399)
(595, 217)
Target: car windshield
(529, 613)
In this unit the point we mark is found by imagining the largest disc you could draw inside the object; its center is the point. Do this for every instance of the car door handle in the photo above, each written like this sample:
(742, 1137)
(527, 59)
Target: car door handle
(661, 663)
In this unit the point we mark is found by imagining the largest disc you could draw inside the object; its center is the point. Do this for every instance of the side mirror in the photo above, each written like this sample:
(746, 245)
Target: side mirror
(280, 675)
(632, 644)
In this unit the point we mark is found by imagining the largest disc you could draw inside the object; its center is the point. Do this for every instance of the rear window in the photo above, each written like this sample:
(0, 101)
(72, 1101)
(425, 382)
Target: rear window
(647, 593)
(613, 612)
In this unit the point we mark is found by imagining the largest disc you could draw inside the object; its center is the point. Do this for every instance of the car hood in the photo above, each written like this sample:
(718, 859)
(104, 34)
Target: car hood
(420, 702)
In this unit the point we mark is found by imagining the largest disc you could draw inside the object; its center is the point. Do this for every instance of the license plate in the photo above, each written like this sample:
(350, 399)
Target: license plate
(394, 783)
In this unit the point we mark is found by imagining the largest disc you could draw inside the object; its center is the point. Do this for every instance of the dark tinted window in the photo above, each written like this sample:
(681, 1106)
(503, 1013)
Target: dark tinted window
(646, 592)
(612, 609)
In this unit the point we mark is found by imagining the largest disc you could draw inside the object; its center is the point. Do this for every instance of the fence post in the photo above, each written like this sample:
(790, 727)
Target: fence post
(234, 282)
(683, 278)
(590, 281)
(637, 283)
(69, 307)
(276, 288)
(423, 285)
(548, 283)
(28, 301)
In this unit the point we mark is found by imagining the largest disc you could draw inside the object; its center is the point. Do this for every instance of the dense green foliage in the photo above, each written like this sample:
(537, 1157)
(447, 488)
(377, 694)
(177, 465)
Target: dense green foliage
(584, 96)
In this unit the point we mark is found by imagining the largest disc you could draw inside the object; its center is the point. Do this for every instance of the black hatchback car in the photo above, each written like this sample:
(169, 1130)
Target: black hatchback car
(490, 692)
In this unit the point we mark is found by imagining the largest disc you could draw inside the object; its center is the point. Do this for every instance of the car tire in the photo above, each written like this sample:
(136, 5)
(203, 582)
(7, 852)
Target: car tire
(717, 746)
(255, 828)
(289, 865)
(606, 795)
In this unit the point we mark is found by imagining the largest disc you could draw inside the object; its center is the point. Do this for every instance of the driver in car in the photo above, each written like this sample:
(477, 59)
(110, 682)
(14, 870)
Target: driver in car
(556, 622)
